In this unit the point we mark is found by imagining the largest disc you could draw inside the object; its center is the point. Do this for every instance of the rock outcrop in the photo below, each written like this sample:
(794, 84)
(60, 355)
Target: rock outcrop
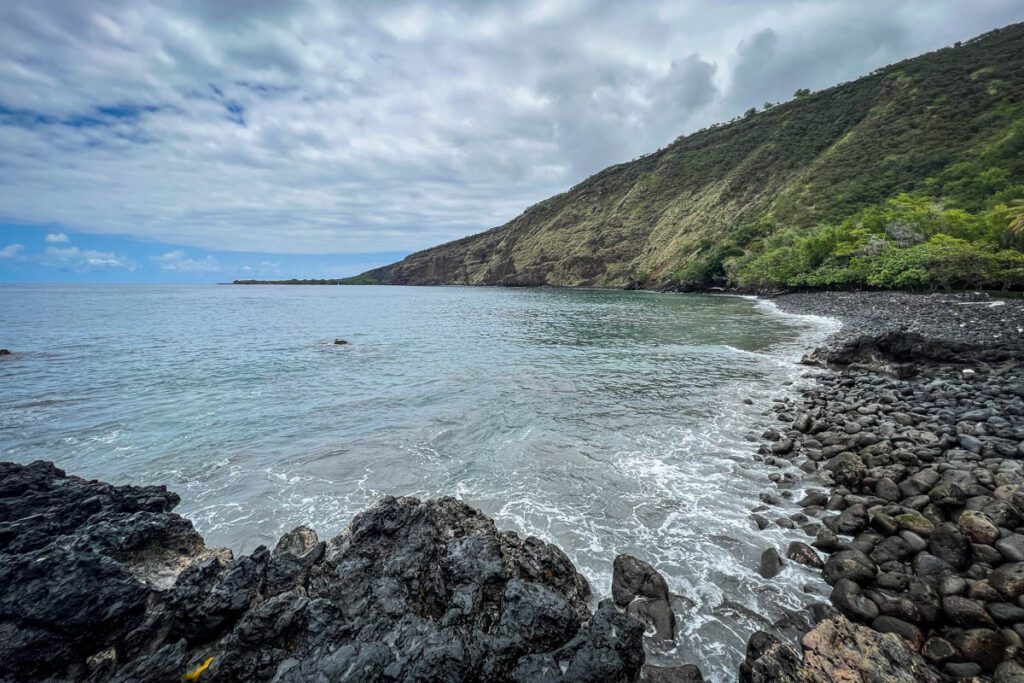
(834, 651)
(101, 582)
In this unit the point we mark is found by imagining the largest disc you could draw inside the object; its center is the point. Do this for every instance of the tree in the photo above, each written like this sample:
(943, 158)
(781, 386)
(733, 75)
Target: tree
(802, 92)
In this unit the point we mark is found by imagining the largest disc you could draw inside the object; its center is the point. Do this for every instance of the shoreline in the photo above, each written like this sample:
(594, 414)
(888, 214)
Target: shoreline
(83, 557)
(913, 434)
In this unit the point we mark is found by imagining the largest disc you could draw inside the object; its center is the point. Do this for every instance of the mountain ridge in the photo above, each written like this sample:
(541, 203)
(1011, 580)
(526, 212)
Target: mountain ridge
(714, 200)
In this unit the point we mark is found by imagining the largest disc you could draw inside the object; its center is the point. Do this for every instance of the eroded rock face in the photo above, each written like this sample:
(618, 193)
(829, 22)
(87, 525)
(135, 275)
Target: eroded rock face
(835, 650)
(106, 583)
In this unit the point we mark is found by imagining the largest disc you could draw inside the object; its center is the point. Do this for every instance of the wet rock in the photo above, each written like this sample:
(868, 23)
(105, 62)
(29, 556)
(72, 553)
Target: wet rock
(1009, 672)
(915, 522)
(107, 583)
(982, 646)
(978, 527)
(771, 564)
(963, 671)
(4, 352)
(850, 600)
(1011, 547)
(949, 545)
(846, 468)
(851, 520)
(340, 342)
(965, 612)
(688, 673)
(801, 553)
(909, 632)
(1008, 580)
(849, 564)
(760, 521)
(782, 447)
(640, 589)
(938, 650)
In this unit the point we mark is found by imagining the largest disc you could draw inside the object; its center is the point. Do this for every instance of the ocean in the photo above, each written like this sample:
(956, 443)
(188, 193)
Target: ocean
(604, 421)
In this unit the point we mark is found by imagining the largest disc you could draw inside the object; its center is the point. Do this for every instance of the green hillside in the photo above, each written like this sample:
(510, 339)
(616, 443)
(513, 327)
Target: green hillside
(912, 176)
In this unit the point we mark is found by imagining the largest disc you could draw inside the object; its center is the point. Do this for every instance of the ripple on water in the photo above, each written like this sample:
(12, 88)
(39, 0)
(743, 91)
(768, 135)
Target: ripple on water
(606, 422)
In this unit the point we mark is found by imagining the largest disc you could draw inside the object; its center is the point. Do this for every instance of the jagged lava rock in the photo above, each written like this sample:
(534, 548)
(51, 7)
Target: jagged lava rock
(106, 583)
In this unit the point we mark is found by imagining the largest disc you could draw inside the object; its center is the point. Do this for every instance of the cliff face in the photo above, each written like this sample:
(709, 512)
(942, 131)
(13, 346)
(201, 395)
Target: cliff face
(817, 158)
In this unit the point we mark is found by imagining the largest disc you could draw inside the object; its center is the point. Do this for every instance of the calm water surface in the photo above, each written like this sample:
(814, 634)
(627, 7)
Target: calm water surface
(604, 421)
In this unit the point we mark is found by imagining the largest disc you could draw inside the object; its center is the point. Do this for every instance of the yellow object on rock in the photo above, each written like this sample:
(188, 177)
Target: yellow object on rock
(198, 671)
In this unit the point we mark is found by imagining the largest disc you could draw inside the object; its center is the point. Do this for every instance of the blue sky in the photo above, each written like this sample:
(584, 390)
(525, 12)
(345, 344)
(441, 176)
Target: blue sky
(191, 140)
(51, 254)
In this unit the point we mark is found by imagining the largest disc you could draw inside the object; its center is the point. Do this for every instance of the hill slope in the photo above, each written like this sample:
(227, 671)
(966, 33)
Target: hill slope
(946, 127)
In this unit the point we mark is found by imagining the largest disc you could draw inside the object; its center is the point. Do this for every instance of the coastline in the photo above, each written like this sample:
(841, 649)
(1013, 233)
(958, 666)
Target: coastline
(167, 603)
(913, 432)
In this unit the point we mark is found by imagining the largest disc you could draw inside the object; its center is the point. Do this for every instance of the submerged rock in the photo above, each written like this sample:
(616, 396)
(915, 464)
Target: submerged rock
(106, 583)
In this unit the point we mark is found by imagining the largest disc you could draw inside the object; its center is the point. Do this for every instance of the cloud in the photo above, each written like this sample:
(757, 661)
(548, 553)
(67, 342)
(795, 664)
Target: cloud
(11, 251)
(84, 260)
(318, 127)
(57, 237)
(178, 261)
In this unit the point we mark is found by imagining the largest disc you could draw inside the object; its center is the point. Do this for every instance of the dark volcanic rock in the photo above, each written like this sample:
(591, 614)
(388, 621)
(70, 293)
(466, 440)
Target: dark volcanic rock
(643, 592)
(106, 583)
(771, 564)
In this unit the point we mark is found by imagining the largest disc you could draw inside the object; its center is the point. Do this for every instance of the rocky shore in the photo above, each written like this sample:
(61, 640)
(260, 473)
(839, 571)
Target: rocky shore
(911, 439)
(915, 437)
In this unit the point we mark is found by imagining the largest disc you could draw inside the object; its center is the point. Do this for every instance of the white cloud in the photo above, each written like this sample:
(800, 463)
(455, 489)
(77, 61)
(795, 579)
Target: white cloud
(57, 237)
(11, 251)
(314, 126)
(179, 261)
(84, 260)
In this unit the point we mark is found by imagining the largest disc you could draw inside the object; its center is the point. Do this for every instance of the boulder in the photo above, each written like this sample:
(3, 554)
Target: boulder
(641, 590)
(978, 527)
(801, 553)
(1008, 579)
(849, 564)
(771, 564)
(836, 650)
(106, 583)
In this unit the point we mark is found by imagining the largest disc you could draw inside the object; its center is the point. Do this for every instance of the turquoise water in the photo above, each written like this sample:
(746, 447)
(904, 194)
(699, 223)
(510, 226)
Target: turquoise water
(604, 421)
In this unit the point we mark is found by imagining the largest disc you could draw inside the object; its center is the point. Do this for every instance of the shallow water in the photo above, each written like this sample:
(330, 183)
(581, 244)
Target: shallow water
(604, 421)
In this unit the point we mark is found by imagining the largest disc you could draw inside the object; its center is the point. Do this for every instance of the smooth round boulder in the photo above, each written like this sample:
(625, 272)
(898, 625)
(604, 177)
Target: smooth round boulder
(801, 553)
(1008, 579)
(849, 564)
(963, 611)
(978, 527)
(848, 599)
(909, 632)
(949, 544)
(982, 646)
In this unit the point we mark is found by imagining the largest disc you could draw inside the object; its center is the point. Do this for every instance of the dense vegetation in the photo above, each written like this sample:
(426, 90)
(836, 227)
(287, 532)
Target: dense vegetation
(910, 177)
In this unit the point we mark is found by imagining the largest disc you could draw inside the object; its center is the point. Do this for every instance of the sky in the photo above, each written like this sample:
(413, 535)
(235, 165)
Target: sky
(202, 141)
